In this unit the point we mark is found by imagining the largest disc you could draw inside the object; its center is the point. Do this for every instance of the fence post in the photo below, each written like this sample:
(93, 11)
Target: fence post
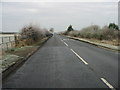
(2, 44)
(9, 39)
(10, 43)
(7, 45)
(2, 39)
(16, 40)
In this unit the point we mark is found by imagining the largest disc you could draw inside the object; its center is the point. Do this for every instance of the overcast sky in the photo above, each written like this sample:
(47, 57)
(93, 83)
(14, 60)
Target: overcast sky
(58, 15)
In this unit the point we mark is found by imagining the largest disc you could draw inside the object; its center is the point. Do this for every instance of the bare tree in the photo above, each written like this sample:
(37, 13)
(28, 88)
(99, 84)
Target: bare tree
(32, 33)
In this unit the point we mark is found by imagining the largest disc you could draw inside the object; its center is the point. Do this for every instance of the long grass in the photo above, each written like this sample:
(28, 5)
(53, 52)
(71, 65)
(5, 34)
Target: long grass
(95, 32)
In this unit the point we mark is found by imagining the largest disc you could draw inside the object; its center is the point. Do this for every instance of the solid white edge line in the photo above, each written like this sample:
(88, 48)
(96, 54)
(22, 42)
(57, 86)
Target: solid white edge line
(79, 57)
(66, 44)
(108, 84)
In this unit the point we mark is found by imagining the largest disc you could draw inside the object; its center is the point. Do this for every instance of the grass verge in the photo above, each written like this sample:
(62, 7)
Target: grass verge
(17, 56)
(98, 43)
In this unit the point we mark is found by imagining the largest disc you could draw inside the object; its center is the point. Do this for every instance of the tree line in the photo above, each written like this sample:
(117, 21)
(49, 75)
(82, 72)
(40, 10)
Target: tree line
(110, 32)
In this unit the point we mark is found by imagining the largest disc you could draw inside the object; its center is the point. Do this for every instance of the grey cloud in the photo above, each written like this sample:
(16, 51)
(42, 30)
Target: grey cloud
(58, 15)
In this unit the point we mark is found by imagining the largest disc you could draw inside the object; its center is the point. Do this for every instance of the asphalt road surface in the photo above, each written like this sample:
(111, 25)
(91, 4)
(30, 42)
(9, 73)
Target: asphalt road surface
(67, 63)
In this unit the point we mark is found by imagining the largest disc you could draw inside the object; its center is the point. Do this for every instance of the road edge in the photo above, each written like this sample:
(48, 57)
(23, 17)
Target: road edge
(21, 61)
(96, 44)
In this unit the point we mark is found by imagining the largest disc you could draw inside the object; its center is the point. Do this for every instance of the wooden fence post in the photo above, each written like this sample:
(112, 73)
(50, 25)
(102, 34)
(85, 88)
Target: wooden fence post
(10, 43)
(2, 45)
(15, 40)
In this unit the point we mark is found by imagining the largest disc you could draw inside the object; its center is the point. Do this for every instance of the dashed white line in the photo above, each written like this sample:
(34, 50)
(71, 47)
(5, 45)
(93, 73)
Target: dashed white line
(108, 84)
(65, 43)
(61, 40)
(64, 39)
(79, 57)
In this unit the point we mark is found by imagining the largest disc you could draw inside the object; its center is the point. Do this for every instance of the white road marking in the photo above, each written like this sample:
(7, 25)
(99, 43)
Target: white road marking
(108, 84)
(79, 57)
(65, 39)
(61, 40)
(65, 43)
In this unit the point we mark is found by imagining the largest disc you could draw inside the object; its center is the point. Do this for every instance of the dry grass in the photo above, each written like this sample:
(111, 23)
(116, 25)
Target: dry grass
(25, 50)
(97, 34)
(113, 42)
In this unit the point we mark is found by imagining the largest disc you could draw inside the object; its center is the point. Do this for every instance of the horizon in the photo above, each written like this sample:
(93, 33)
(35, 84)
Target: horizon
(58, 15)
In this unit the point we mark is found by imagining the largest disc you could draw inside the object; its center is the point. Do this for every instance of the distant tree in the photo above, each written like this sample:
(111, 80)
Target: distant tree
(70, 28)
(32, 32)
(52, 30)
(113, 26)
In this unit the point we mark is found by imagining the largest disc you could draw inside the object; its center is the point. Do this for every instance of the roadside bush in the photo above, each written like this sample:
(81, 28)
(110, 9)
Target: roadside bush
(32, 33)
(95, 32)
(73, 33)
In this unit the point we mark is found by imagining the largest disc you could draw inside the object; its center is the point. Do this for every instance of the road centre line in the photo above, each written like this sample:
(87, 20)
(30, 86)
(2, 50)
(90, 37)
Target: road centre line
(104, 81)
(108, 84)
(79, 57)
(65, 43)
(61, 40)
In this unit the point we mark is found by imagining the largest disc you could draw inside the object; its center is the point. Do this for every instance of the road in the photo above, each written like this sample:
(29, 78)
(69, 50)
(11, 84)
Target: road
(67, 63)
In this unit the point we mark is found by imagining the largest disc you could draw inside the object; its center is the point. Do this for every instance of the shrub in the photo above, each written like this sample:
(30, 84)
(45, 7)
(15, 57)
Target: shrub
(96, 32)
(32, 33)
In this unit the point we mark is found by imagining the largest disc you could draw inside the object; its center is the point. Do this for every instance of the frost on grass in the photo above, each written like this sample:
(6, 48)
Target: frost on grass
(8, 60)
